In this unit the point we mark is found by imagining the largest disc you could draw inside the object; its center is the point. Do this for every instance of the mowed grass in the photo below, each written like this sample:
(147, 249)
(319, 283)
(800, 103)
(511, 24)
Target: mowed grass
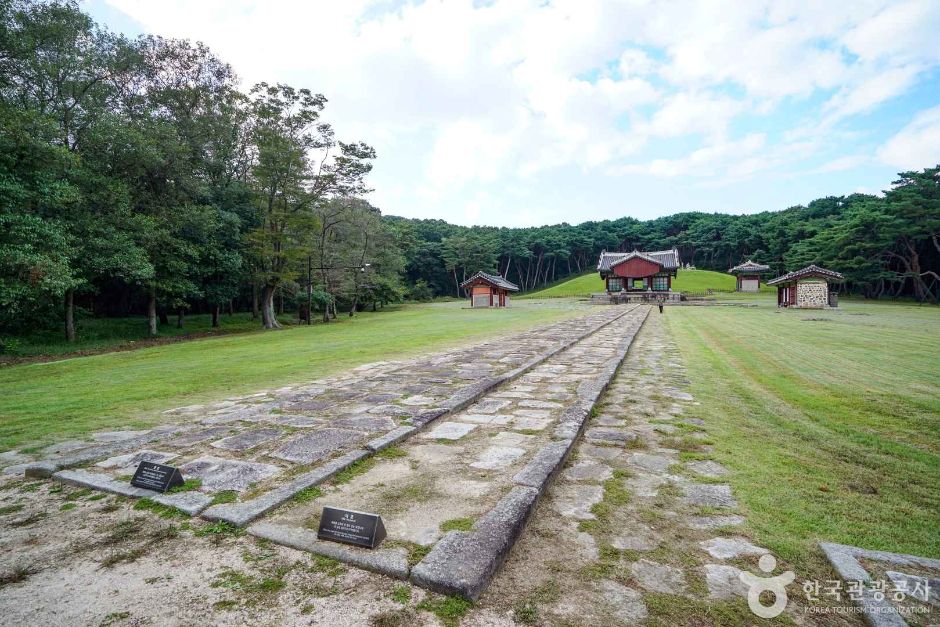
(829, 421)
(685, 281)
(46, 402)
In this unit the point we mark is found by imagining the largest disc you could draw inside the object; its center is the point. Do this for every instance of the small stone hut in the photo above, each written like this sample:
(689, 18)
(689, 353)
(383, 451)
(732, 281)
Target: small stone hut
(807, 288)
(488, 290)
(748, 276)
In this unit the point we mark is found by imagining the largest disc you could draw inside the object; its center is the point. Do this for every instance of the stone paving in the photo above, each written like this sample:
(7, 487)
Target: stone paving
(639, 511)
(456, 474)
(264, 442)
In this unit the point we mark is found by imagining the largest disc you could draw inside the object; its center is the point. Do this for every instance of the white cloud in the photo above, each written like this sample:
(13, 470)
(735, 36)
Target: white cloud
(917, 145)
(462, 95)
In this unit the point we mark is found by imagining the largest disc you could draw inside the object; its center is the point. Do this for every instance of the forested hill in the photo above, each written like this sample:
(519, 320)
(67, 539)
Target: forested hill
(884, 245)
(137, 176)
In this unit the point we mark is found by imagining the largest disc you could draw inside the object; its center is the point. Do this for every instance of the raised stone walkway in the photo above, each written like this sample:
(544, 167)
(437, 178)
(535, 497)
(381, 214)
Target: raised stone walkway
(639, 511)
(270, 445)
(460, 493)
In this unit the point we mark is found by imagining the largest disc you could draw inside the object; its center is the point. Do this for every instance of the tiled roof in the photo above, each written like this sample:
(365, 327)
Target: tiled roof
(749, 266)
(492, 279)
(668, 259)
(808, 271)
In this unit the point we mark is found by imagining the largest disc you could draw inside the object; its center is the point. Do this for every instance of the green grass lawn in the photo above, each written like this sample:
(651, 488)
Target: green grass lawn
(829, 421)
(686, 281)
(66, 398)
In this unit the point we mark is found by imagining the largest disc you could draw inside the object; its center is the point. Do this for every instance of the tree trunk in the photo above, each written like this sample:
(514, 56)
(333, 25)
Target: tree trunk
(164, 319)
(231, 307)
(280, 302)
(215, 315)
(268, 317)
(254, 300)
(69, 315)
(152, 314)
(179, 318)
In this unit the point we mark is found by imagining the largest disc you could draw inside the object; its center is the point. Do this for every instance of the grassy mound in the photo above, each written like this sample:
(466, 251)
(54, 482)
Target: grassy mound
(695, 281)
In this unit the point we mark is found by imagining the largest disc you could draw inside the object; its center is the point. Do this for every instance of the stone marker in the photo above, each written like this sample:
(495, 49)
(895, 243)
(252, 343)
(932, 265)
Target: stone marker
(157, 477)
(351, 527)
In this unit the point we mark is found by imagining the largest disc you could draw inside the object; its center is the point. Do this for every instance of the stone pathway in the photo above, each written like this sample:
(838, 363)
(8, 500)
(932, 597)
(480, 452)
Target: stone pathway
(638, 526)
(471, 477)
(269, 445)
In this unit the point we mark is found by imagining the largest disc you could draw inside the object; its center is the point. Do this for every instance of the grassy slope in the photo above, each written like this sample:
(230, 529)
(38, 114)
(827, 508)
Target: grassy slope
(66, 398)
(831, 427)
(685, 281)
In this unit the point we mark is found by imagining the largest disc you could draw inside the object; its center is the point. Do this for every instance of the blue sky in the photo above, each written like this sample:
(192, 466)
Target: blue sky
(527, 113)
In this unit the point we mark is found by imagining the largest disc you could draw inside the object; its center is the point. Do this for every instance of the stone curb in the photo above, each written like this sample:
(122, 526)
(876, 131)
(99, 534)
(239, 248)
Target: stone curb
(242, 514)
(190, 503)
(46, 468)
(391, 562)
(844, 559)
(463, 562)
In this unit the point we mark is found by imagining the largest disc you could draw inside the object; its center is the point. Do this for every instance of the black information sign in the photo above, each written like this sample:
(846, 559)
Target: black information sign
(154, 476)
(344, 525)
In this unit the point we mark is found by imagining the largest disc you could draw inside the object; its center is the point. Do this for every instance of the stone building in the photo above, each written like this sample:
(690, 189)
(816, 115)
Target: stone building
(748, 276)
(807, 288)
(488, 290)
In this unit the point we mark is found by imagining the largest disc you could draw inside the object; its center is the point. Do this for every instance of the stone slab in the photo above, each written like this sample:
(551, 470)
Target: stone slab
(715, 522)
(573, 500)
(369, 424)
(117, 436)
(190, 502)
(485, 419)
(652, 463)
(247, 440)
(449, 431)
(392, 437)
(588, 470)
(709, 495)
(728, 548)
(498, 457)
(130, 461)
(217, 473)
(389, 562)
(707, 468)
(657, 577)
(100, 481)
(197, 436)
(240, 514)
(609, 436)
(724, 582)
(316, 445)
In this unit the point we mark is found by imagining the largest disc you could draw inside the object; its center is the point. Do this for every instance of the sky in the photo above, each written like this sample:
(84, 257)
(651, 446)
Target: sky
(528, 113)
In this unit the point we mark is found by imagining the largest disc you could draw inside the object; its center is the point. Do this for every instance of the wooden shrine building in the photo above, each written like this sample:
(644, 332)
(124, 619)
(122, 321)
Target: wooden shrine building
(639, 276)
(488, 290)
(748, 276)
(807, 288)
